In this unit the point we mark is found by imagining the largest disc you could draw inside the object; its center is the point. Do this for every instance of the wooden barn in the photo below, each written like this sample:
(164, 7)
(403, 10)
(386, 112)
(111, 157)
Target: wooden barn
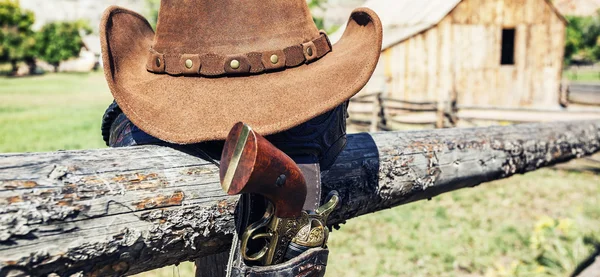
(483, 53)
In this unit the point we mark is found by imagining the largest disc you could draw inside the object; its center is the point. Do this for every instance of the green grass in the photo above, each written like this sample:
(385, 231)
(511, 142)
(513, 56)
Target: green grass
(482, 231)
(52, 112)
(491, 230)
(582, 76)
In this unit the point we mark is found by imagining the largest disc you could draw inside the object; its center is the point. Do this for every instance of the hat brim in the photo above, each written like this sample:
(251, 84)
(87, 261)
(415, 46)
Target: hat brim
(193, 109)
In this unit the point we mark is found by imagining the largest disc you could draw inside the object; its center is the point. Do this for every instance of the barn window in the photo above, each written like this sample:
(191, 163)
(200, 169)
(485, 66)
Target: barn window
(508, 47)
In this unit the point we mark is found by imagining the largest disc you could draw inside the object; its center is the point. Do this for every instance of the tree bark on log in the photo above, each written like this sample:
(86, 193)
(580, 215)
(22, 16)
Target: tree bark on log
(128, 210)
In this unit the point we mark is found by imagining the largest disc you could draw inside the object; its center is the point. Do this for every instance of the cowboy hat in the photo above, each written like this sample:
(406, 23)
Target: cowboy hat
(214, 63)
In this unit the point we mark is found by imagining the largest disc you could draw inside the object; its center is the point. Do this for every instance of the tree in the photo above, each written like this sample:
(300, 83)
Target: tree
(17, 41)
(574, 39)
(583, 39)
(318, 8)
(60, 41)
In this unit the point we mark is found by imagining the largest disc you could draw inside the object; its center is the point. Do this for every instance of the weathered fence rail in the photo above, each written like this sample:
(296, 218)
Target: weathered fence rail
(584, 93)
(385, 113)
(124, 211)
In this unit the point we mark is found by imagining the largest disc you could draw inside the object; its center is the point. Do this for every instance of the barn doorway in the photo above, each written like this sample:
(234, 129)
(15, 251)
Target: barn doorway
(508, 47)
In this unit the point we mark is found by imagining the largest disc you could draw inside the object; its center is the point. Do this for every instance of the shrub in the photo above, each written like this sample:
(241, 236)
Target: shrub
(583, 39)
(60, 41)
(17, 41)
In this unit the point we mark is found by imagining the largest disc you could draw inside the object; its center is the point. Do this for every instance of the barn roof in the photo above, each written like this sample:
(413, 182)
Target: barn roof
(578, 7)
(402, 19)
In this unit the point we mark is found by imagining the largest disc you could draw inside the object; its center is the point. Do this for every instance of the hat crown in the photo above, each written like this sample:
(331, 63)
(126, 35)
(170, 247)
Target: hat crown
(232, 26)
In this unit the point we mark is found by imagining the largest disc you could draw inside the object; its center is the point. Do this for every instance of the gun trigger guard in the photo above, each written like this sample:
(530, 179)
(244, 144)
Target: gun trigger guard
(257, 256)
(249, 234)
(263, 235)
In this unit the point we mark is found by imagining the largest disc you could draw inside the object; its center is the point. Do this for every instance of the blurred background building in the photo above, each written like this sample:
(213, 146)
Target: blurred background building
(578, 7)
(474, 60)
(488, 52)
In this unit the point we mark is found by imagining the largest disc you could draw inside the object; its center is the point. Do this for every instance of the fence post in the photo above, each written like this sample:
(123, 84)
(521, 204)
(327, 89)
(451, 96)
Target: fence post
(440, 114)
(375, 113)
(564, 93)
(443, 103)
(212, 266)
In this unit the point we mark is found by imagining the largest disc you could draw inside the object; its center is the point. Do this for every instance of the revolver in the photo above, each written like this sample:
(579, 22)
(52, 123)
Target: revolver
(251, 164)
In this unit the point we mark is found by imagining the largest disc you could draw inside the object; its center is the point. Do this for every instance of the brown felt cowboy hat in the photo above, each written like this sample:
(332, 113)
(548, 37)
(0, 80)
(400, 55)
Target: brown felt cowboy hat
(213, 63)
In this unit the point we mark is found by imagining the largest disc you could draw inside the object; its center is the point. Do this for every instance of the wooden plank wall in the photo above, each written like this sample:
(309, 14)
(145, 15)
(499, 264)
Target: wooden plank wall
(462, 53)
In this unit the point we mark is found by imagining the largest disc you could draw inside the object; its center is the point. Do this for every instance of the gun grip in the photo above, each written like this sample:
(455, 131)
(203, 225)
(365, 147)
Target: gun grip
(251, 164)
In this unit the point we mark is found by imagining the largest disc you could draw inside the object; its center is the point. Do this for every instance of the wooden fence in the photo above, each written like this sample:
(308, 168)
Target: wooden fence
(584, 93)
(128, 210)
(375, 112)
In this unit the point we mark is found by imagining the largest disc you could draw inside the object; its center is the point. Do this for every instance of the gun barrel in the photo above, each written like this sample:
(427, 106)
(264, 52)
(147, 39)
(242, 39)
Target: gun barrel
(251, 164)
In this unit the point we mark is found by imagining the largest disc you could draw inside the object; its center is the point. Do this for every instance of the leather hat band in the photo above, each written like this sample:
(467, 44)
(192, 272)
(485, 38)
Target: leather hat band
(249, 63)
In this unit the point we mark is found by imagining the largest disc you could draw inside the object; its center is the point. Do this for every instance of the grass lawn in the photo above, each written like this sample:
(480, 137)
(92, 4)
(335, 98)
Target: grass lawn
(539, 224)
(52, 112)
(491, 230)
(582, 76)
